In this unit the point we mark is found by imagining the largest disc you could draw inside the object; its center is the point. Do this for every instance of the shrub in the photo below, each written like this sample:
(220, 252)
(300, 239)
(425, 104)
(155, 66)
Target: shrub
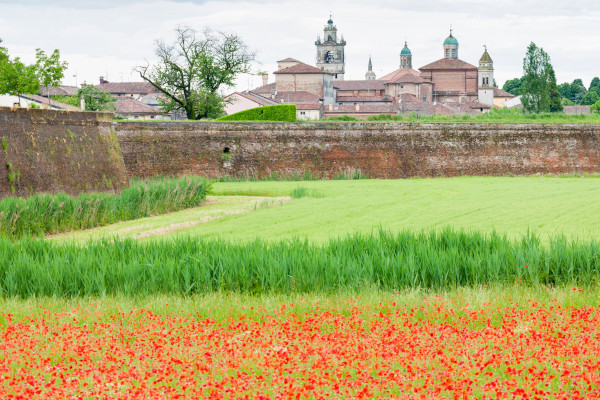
(280, 112)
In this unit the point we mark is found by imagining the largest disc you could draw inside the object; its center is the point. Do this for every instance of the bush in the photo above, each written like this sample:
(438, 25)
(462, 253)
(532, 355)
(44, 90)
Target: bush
(342, 118)
(47, 214)
(280, 112)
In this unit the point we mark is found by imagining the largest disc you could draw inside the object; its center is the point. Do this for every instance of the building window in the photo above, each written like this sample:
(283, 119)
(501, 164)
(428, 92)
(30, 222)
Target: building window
(424, 99)
(453, 53)
(302, 113)
(447, 53)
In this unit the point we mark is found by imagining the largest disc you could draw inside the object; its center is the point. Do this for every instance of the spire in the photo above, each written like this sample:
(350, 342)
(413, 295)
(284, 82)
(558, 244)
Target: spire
(370, 75)
(370, 64)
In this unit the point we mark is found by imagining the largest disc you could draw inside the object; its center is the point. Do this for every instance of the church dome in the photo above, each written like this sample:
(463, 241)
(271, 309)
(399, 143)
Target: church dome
(330, 21)
(405, 51)
(451, 40)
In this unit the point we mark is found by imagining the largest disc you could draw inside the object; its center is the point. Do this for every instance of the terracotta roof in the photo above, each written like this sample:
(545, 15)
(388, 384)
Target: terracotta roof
(263, 101)
(126, 105)
(362, 109)
(448, 63)
(59, 91)
(127, 88)
(301, 69)
(403, 75)
(296, 97)
(314, 106)
(502, 93)
(359, 85)
(577, 110)
(370, 99)
(267, 89)
(289, 59)
(44, 100)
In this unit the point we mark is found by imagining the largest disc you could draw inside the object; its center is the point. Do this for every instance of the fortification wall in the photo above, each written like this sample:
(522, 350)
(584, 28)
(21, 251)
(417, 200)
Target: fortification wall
(382, 150)
(51, 151)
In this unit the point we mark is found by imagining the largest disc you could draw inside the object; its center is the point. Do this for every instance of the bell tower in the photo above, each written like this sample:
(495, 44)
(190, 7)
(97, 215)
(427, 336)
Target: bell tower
(330, 51)
(451, 47)
(485, 79)
(406, 57)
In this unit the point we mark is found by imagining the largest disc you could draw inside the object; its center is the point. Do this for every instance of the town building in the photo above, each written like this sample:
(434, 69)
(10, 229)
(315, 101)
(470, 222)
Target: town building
(330, 51)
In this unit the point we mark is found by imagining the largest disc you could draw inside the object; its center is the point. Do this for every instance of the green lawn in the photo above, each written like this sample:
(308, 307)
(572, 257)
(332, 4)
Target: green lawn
(545, 205)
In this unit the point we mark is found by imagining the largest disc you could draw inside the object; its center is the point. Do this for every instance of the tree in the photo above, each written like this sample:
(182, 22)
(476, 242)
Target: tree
(17, 78)
(595, 85)
(50, 69)
(590, 98)
(539, 92)
(596, 107)
(190, 71)
(555, 103)
(513, 86)
(96, 99)
(567, 102)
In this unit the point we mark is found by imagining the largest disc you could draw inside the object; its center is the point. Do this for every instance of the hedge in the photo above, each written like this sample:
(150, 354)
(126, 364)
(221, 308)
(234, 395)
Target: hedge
(279, 112)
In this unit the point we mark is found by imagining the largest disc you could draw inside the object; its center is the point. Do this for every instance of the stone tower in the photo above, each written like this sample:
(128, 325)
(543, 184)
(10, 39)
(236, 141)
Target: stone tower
(486, 79)
(451, 47)
(330, 51)
(370, 75)
(405, 57)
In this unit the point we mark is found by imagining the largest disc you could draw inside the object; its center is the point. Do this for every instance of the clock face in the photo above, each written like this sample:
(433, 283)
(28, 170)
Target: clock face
(329, 57)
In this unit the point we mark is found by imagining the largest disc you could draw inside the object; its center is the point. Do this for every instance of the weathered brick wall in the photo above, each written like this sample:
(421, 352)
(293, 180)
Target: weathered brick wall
(50, 151)
(384, 150)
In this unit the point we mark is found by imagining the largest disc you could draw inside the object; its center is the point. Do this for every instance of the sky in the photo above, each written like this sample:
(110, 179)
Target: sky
(111, 37)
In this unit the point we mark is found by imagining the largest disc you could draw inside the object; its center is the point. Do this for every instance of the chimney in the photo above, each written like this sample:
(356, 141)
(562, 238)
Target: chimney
(102, 81)
(265, 79)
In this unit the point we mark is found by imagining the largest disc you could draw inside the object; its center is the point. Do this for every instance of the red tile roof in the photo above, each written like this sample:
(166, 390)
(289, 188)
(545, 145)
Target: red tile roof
(267, 89)
(448, 63)
(301, 69)
(296, 97)
(403, 75)
(127, 88)
(127, 105)
(59, 91)
(365, 99)
(289, 59)
(502, 93)
(359, 85)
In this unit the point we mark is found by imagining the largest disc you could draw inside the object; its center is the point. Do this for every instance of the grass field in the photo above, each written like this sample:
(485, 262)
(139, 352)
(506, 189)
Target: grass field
(547, 206)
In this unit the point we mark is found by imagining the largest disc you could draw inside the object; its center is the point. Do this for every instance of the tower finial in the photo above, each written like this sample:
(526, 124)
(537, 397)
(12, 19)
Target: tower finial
(450, 29)
(485, 47)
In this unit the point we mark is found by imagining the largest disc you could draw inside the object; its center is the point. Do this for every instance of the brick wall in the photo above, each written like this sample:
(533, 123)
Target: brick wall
(383, 150)
(50, 151)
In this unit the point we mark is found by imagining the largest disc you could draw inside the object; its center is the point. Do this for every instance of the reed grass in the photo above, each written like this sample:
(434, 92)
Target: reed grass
(381, 260)
(54, 213)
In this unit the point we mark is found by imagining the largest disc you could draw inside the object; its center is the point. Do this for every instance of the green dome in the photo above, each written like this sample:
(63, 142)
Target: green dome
(451, 40)
(405, 51)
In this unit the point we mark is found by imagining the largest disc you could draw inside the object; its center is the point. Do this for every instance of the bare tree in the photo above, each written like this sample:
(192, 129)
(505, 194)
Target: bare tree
(191, 70)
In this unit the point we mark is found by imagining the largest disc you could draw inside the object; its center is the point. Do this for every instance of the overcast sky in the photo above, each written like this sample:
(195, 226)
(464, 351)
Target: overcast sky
(111, 37)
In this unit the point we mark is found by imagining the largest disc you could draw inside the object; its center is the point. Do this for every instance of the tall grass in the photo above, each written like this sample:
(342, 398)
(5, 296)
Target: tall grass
(46, 213)
(185, 266)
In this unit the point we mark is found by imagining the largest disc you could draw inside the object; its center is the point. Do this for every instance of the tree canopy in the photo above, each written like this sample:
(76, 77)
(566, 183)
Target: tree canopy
(96, 99)
(191, 70)
(590, 98)
(539, 91)
(513, 86)
(50, 69)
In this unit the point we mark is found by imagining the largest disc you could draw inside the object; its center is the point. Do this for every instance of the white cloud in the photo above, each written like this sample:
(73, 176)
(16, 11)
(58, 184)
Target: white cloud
(114, 36)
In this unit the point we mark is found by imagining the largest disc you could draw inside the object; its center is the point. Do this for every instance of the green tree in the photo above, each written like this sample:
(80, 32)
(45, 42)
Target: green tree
(50, 69)
(17, 78)
(96, 99)
(595, 85)
(590, 98)
(596, 107)
(191, 71)
(536, 87)
(555, 103)
(567, 102)
(513, 86)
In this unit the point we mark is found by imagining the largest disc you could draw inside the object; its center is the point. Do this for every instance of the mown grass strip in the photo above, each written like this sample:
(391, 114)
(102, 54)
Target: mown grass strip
(47, 214)
(383, 260)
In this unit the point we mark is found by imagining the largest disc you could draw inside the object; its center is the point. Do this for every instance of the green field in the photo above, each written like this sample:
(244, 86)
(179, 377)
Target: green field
(546, 206)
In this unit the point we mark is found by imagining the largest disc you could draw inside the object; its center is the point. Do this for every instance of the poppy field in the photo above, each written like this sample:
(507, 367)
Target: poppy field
(393, 346)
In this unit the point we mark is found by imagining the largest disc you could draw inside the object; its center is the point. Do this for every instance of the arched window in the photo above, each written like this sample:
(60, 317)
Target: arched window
(447, 53)
(453, 53)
